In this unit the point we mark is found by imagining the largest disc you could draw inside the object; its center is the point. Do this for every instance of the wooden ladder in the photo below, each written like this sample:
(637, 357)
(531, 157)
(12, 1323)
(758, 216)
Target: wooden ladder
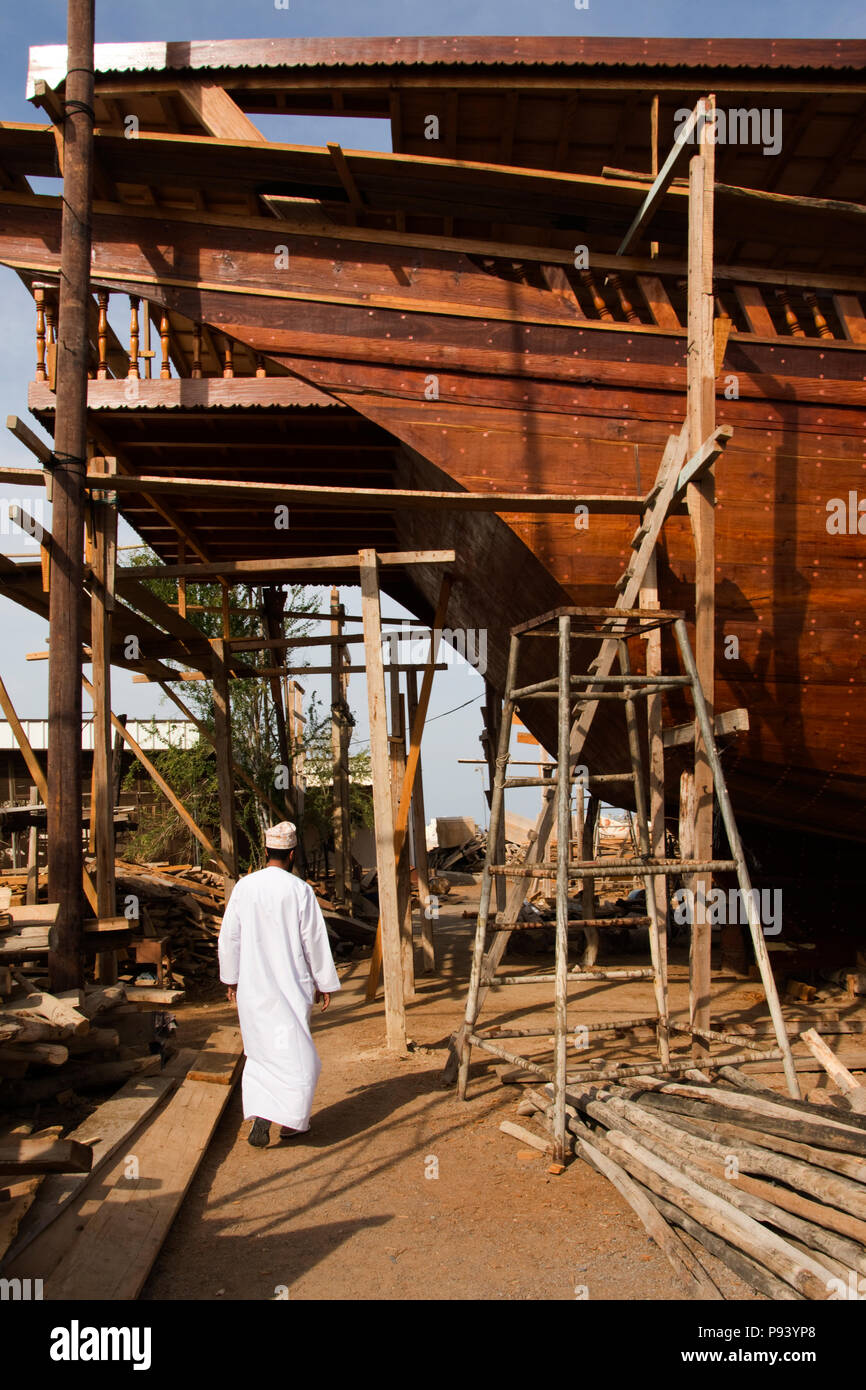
(580, 695)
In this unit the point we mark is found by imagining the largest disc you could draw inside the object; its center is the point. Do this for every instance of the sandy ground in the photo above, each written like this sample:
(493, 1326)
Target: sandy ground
(400, 1191)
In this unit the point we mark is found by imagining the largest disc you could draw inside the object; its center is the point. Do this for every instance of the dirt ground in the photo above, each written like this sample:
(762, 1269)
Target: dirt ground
(400, 1191)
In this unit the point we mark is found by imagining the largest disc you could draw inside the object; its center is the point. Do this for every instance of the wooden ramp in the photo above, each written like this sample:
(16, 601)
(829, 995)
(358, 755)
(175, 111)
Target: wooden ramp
(100, 1240)
(113, 1255)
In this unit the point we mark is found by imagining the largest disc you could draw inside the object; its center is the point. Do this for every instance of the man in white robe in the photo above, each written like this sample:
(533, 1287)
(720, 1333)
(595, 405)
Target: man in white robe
(275, 958)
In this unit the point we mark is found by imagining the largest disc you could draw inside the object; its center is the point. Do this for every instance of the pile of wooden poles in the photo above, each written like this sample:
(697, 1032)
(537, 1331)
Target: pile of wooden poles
(182, 902)
(52, 1047)
(773, 1187)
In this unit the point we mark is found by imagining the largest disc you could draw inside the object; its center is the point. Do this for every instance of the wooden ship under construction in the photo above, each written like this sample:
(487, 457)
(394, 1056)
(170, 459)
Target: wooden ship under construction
(476, 313)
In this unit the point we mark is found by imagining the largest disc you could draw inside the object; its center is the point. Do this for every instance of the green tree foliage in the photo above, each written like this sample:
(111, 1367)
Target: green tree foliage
(191, 773)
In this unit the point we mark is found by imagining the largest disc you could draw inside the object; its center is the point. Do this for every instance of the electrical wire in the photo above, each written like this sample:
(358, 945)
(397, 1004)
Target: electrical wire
(364, 743)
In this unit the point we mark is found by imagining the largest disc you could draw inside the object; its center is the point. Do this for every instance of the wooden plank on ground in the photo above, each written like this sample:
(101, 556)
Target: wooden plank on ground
(25, 1157)
(110, 1126)
(19, 1197)
(219, 1059)
(113, 1255)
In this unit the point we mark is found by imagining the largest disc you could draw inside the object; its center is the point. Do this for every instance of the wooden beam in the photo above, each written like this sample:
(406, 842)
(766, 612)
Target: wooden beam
(700, 495)
(473, 246)
(393, 499)
(756, 313)
(419, 838)
(696, 467)
(341, 723)
(403, 806)
(216, 570)
(64, 799)
(347, 179)
(218, 113)
(246, 673)
(732, 721)
(397, 756)
(659, 304)
(30, 440)
(851, 317)
(650, 205)
(102, 800)
(395, 1016)
(223, 748)
(21, 1156)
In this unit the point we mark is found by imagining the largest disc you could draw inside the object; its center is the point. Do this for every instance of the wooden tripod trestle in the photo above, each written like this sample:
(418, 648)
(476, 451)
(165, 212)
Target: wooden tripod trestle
(578, 691)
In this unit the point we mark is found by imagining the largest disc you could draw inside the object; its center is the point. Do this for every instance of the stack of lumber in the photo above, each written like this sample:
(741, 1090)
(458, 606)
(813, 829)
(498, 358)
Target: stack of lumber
(53, 1046)
(772, 1187)
(182, 902)
(95, 1233)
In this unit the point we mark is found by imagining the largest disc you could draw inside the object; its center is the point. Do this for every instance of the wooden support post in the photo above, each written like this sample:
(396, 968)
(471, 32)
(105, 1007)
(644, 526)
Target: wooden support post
(404, 897)
(272, 611)
(490, 743)
(64, 800)
(102, 789)
(412, 764)
(33, 854)
(117, 759)
(419, 837)
(587, 890)
(563, 847)
(181, 583)
(700, 496)
(341, 723)
(223, 749)
(389, 920)
(649, 598)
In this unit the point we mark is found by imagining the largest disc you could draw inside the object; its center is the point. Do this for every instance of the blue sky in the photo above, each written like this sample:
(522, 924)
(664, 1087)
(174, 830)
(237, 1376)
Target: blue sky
(449, 789)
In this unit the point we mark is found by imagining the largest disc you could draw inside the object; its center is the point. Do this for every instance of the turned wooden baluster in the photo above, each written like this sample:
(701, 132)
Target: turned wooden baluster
(39, 296)
(165, 342)
(790, 317)
(261, 369)
(598, 303)
(50, 339)
(628, 308)
(102, 336)
(195, 370)
(134, 302)
(228, 357)
(823, 327)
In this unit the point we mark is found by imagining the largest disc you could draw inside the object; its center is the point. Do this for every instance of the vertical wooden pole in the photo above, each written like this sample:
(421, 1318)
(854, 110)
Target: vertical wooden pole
(402, 821)
(181, 583)
(398, 769)
(272, 609)
(419, 835)
(649, 599)
(701, 501)
(117, 760)
(587, 891)
(70, 444)
(102, 802)
(342, 842)
(563, 835)
(654, 155)
(223, 748)
(33, 854)
(490, 743)
(395, 1014)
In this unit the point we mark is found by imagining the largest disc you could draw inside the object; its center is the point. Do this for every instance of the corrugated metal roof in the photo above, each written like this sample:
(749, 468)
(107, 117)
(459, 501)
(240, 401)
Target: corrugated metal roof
(49, 62)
